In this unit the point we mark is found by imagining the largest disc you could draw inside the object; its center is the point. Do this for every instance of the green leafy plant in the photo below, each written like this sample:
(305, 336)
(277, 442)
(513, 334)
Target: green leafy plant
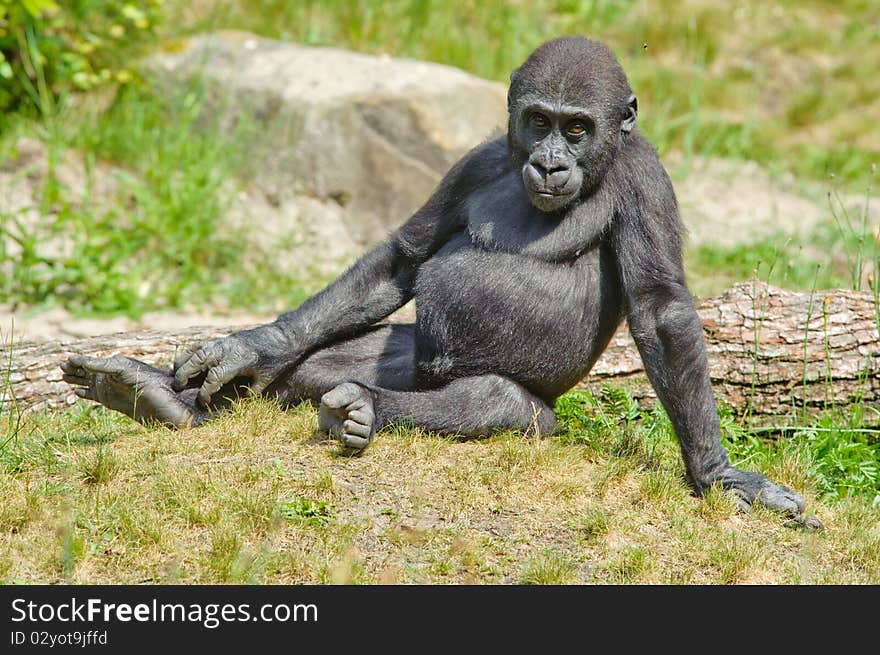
(49, 48)
(846, 461)
(311, 512)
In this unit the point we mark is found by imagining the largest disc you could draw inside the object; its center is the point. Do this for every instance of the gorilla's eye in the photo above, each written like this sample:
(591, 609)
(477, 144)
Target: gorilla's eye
(576, 130)
(539, 121)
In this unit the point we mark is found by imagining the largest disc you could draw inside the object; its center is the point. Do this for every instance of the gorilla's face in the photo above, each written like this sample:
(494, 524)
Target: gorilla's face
(571, 109)
(557, 139)
(564, 149)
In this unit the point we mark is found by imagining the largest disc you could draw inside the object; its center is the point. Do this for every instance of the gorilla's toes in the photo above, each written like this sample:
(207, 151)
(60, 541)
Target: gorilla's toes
(749, 488)
(346, 412)
(780, 498)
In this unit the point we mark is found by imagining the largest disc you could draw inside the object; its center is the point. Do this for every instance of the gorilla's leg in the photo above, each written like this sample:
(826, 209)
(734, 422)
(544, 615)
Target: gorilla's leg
(382, 355)
(363, 384)
(134, 388)
(474, 406)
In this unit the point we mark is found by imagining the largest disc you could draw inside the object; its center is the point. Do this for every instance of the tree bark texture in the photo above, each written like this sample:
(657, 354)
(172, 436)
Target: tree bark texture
(771, 352)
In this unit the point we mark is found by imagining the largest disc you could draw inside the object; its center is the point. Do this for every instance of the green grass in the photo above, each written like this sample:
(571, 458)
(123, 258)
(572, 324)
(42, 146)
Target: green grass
(840, 253)
(839, 457)
(308, 511)
(255, 497)
(157, 242)
(783, 261)
(548, 568)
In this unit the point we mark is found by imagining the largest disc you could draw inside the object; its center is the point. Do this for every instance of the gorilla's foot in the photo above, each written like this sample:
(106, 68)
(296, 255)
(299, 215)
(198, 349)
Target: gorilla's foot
(346, 412)
(134, 388)
(749, 488)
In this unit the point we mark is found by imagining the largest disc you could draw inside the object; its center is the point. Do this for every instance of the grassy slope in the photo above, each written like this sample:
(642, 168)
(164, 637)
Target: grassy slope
(788, 85)
(258, 496)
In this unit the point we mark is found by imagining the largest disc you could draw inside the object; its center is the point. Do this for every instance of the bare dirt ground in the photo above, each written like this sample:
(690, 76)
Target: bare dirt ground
(728, 203)
(59, 324)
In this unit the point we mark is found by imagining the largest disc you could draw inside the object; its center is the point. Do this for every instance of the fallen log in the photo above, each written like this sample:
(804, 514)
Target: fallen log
(774, 352)
(771, 352)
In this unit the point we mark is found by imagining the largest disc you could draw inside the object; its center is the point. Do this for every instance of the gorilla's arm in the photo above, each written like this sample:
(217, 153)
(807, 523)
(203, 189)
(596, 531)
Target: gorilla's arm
(669, 334)
(372, 288)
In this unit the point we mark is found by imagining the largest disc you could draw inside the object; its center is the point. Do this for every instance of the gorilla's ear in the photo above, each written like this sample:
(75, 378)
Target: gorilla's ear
(513, 77)
(632, 110)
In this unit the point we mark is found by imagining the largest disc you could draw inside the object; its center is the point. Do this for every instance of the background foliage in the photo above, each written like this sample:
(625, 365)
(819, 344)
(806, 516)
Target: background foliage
(788, 84)
(48, 48)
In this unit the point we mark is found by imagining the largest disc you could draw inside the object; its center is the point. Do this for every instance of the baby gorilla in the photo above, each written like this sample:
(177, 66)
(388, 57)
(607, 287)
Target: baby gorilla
(523, 263)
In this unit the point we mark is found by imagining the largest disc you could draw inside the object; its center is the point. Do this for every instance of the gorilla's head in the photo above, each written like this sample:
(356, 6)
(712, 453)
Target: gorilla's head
(570, 109)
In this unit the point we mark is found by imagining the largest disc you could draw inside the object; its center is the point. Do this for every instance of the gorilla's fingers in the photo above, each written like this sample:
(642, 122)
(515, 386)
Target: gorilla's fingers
(76, 379)
(217, 376)
(781, 499)
(182, 355)
(749, 489)
(358, 443)
(202, 359)
(74, 361)
(806, 521)
(70, 367)
(74, 374)
(185, 353)
(98, 365)
(85, 393)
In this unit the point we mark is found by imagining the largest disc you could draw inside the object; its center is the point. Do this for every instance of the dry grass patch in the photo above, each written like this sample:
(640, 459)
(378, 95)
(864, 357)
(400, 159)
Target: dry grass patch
(258, 496)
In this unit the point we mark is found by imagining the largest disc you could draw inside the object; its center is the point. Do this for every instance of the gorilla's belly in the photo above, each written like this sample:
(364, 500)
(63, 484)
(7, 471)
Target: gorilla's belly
(540, 323)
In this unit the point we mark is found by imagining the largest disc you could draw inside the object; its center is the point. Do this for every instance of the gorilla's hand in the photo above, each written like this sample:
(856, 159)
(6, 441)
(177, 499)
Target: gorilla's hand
(260, 354)
(749, 488)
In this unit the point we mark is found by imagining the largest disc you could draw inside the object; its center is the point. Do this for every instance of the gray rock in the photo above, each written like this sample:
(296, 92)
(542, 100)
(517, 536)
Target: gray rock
(305, 237)
(372, 133)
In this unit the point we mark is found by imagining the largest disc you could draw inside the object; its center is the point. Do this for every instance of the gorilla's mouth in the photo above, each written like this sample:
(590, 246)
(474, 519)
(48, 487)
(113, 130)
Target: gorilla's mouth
(548, 201)
(545, 195)
(553, 196)
(552, 200)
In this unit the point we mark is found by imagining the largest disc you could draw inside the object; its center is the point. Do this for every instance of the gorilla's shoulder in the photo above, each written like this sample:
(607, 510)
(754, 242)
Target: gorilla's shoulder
(492, 149)
(637, 170)
(486, 162)
(643, 192)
